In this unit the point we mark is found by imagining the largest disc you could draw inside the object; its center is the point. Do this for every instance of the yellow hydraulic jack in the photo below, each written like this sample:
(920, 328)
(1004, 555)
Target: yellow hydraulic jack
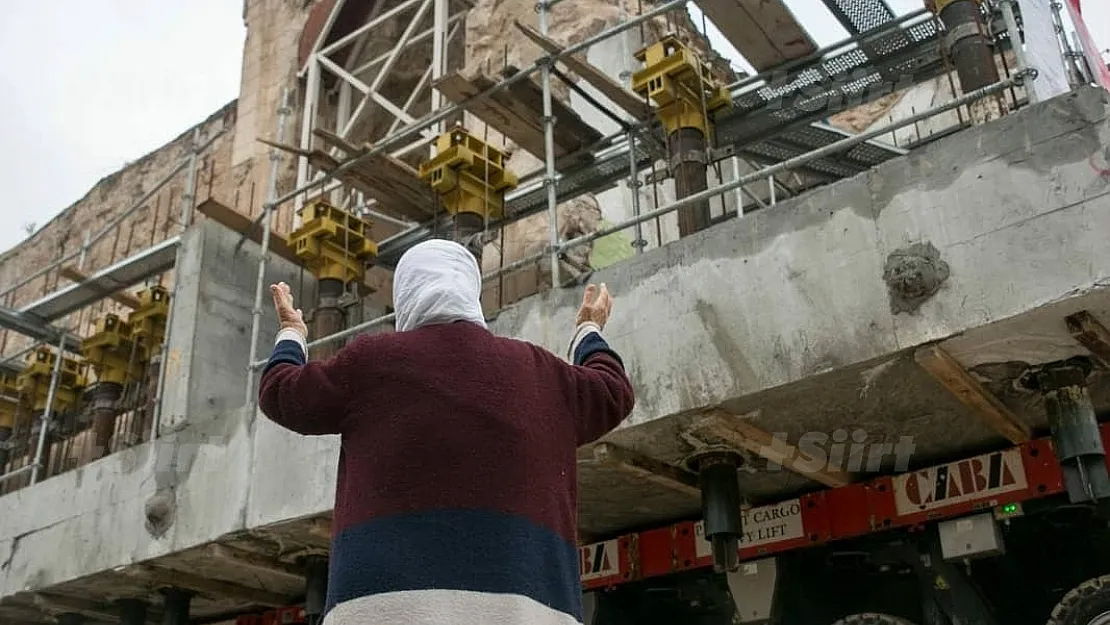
(470, 177)
(686, 95)
(335, 246)
(9, 409)
(34, 388)
(332, 243)
(148, 322)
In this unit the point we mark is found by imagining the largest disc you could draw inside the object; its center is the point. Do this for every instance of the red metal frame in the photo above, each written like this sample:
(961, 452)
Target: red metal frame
(1015, 475)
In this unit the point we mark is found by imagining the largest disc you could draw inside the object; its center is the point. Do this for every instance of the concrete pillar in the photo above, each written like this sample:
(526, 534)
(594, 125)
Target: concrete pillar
(688, 164)
(103, 400)
(969, 47)
(316, 588)
(132, 612)
(176, 606)
(327, 318)
(1074, 426)
(720, 503)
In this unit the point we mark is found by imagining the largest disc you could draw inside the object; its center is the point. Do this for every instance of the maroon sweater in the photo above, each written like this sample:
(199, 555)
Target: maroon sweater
(457, 466)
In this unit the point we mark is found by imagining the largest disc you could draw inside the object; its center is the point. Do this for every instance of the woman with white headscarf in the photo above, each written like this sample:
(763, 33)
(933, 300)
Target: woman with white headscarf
(456, 498)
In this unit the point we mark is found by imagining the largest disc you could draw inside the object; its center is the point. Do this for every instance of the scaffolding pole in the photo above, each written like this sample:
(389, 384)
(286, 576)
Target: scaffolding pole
(48, 413)
(267, 210)
(549, 152)
(187, 204)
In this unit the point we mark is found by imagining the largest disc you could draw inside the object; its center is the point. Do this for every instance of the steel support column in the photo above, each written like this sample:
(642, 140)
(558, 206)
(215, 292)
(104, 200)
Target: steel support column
(316, 588)
(104, 399)
(689, 166)
(176, 609)
(969, 46)
(1075, 432)
(132, 612)
(328, 318)
(720, 505)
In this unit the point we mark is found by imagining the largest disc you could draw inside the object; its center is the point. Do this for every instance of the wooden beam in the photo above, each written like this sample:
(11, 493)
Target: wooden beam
(617, 93)
(742, 434)
(215, 588)
(764, 31)
(516, 113)
(96, 610)
(647, 468)
(255, 561)
(971, 393)
(124, 298)
(321, 528)
(1089, 332)
(396, 186)
(234, 220)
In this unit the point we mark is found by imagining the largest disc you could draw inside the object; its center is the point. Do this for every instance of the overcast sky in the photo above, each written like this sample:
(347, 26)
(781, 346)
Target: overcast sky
(91, 85)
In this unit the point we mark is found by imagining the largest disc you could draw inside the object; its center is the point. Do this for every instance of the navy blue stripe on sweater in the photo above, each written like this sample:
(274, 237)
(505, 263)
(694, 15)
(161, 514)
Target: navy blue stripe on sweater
(472, 550)
(592, 344)
(286, 351)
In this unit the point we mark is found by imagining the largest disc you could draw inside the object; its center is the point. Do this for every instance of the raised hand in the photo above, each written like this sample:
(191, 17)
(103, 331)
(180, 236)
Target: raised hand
(288, 317)
(596, 305)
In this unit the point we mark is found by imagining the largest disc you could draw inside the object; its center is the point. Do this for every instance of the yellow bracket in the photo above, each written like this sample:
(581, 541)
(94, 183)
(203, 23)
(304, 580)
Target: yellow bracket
(148, 322)
(675, 77)
(469, 175)
(333, 243)
(9, 400)
(34, 382)
(110, 351)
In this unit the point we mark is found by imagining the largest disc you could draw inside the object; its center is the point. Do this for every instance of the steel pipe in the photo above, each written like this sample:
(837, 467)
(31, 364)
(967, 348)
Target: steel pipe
(267, 210)
(44, 421)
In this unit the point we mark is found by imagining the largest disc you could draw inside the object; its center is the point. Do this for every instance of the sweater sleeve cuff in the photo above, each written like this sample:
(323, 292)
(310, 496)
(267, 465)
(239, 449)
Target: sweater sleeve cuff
(588, 342)
(288, 334)
(290, 348)
(580, 333)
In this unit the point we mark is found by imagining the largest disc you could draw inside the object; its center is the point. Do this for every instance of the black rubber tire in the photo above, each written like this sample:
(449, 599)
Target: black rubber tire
(872, 618)
(1083, 603)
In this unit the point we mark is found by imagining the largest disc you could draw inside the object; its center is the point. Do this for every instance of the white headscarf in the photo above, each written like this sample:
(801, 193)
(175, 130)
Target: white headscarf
(437, 281)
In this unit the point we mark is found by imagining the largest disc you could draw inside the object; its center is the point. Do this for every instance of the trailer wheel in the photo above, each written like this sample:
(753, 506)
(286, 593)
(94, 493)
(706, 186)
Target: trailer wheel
(1086, 604)
(872, 618)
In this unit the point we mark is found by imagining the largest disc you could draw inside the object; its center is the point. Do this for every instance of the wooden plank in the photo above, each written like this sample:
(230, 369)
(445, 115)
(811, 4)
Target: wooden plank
(647, 468)
(234, 220)
(972, 394)
(74, 274)
(764, 31)
(1089, 332)
(396, 187)
(567, 122)
(513, 112)
(605, 85)
(159, 576)
(742, 434)
(242, 558)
